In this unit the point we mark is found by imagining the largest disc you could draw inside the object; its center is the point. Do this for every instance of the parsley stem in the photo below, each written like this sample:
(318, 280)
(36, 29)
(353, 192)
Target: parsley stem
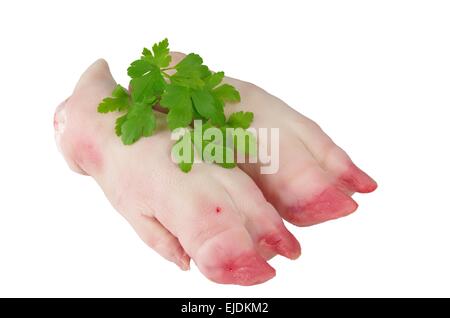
(160, 109)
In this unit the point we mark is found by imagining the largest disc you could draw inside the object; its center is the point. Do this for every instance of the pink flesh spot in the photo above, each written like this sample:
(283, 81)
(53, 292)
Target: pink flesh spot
(356, 180)
(329, 204)
(218, 209)
(247, 269)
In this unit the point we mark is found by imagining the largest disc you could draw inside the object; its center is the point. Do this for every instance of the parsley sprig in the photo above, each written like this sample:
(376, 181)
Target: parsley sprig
(187, 91)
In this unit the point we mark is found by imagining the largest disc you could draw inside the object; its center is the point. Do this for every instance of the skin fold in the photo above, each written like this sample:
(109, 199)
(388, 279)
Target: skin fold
(226, 220)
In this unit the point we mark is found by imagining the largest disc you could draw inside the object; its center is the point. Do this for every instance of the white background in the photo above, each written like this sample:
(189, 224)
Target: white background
(374, 74)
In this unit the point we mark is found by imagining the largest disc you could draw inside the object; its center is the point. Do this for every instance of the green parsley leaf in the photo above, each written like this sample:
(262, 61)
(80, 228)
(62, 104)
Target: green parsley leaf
(196, 115)
(140, 122)
(160, 56)
(191, 72)
(178, 101)
(214, 79)
(147, 86)
(119, 122)
(227, 93)
(207, 107)
(213, 148)
(185, 161)
(119, 101)
(216, 152)
(192, 66)
(224, 153)
(192, 92)
(240, 120)
(139, 68)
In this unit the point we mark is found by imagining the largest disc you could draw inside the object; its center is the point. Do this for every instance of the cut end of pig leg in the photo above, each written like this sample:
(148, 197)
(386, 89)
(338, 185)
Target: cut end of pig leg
(59, 122)
(356, 180)
(328, 205)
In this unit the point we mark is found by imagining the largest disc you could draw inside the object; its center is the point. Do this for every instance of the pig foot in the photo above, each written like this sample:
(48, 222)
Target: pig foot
(217, 217)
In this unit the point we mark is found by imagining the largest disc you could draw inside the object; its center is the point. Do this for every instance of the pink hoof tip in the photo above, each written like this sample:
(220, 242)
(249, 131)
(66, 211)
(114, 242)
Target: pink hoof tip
(328, 205)
(286, 245)
(247, 269)
(356, 180)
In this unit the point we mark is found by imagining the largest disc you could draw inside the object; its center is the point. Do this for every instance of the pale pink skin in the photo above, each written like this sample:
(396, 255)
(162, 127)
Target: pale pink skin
(218, 217)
